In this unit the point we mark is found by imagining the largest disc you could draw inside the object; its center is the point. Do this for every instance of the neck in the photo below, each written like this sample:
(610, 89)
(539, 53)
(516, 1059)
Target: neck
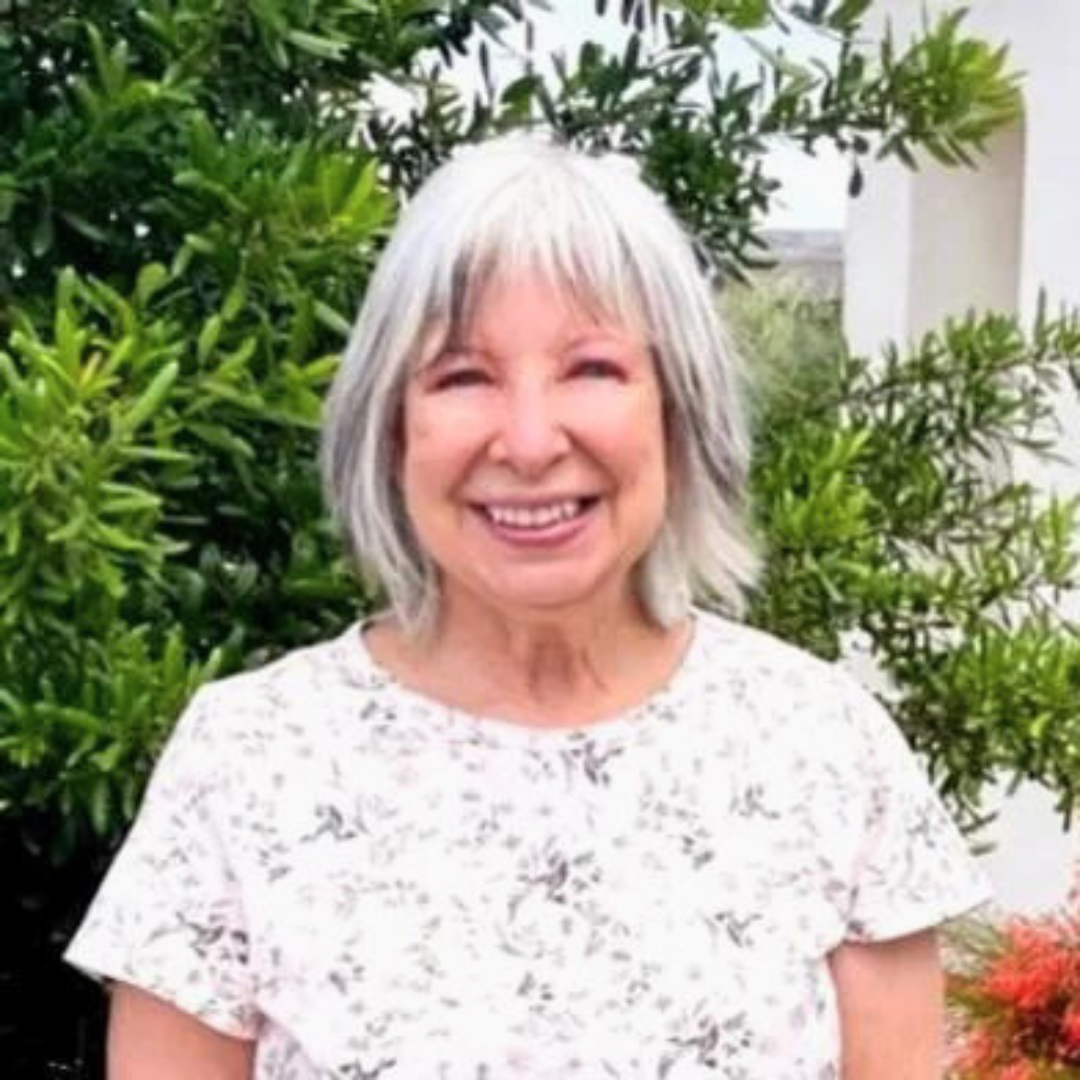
(548, 657)
(543, 667)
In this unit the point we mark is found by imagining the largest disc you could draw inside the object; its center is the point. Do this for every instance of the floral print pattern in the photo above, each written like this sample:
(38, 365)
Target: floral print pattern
(372, 885)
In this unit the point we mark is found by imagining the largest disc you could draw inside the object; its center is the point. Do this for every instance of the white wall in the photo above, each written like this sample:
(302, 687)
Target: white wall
(965, 236)
(877, 258)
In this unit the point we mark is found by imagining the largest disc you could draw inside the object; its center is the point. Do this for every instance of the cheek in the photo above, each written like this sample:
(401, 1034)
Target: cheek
(418, 433)
(632, 449)
(434, 451)
(654, 462)
(638, 441)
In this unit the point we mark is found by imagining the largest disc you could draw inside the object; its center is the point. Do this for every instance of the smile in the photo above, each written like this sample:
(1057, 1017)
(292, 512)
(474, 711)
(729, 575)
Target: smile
(540, 526)
(536, 517)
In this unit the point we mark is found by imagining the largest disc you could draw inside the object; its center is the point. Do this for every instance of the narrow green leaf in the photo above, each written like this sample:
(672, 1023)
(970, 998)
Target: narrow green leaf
(332, 319)
(323, 47)
(151, 280)
(234, 300)
(100, 804)
(208, 338)
(151, 399)
(43, 236)
(85, 227)
(136, 503)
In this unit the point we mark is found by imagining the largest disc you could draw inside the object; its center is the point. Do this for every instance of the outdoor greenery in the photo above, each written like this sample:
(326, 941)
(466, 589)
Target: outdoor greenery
(192, 194)
(896, 524)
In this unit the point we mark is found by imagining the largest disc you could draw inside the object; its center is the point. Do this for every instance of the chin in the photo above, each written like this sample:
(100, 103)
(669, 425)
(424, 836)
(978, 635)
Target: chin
(522, 594)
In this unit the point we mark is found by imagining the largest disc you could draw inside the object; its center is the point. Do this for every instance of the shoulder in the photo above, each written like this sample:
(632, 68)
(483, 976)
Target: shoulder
(769, 663)
(276, 736)
(296, 696)
(758, 647)
(308, 667)
(786, 690)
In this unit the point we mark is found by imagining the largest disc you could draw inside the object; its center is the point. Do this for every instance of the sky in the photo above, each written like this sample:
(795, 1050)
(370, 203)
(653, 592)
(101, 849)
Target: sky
(813, 195)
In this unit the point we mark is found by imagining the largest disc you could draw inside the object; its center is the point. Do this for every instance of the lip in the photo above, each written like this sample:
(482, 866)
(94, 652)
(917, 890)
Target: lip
(558, 534)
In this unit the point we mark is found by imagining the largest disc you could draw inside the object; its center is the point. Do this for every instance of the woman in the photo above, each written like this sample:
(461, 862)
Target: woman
(542, 818)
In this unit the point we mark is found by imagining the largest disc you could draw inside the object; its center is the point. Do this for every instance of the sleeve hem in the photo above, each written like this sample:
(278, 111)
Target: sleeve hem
(913, 918)
(223, 1020)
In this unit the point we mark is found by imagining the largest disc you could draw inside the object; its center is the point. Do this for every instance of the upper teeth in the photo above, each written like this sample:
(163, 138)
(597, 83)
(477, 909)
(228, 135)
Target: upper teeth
(535, 516)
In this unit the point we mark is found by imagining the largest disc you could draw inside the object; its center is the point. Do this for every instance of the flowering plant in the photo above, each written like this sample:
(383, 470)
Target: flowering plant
(1014, 1000)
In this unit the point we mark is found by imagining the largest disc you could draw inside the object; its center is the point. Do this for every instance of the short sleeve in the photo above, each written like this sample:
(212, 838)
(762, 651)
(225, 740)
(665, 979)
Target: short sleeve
(168, 917)
(913, 868)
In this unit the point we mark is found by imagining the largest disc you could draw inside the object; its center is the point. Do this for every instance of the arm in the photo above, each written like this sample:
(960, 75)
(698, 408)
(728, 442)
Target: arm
(150, 1039)
(891, 1002)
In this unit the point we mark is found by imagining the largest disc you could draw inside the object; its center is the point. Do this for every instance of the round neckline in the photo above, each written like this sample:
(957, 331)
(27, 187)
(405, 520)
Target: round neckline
(492, 728)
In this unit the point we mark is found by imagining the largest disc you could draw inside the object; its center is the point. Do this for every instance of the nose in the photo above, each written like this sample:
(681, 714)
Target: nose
(531, 435)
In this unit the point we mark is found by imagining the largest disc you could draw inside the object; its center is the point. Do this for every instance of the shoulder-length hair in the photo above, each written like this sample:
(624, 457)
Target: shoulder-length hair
(593, 229)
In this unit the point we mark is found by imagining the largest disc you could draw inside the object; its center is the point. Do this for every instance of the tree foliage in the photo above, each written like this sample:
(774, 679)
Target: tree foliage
(897, 524)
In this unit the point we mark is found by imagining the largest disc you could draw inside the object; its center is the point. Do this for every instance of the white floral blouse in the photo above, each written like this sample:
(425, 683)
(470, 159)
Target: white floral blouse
(370, 884)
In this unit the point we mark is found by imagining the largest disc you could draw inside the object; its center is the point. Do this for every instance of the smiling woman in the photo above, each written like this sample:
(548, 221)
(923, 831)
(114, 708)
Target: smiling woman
(610, 254)
(546, 816)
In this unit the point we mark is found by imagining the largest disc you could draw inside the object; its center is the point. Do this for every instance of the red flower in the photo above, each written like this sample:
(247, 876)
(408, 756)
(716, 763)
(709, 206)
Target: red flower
(1016, 1001)
(978, 1052)
(1070, 1031)
(1034, 969)
(1019, 1070)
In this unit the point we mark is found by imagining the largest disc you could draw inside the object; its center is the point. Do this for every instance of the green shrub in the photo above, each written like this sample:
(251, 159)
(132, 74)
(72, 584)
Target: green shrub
(894, 521)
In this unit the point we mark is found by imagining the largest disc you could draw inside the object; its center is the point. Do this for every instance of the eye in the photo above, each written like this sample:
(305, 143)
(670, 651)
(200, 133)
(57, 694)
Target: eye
(597, 368)
(461, 377)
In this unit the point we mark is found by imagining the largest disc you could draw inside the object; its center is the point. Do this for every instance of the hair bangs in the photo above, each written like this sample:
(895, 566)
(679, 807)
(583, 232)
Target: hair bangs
(535, 230)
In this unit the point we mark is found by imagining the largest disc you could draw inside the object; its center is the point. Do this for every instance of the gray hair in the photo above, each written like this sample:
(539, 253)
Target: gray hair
(591, 227)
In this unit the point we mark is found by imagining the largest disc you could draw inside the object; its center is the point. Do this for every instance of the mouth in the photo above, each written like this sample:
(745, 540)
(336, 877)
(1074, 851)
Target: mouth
(537, 516)
(538, 525)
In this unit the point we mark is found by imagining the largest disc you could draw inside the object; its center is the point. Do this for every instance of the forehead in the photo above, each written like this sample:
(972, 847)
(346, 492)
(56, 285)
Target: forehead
(500, 303)
(530, 299)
